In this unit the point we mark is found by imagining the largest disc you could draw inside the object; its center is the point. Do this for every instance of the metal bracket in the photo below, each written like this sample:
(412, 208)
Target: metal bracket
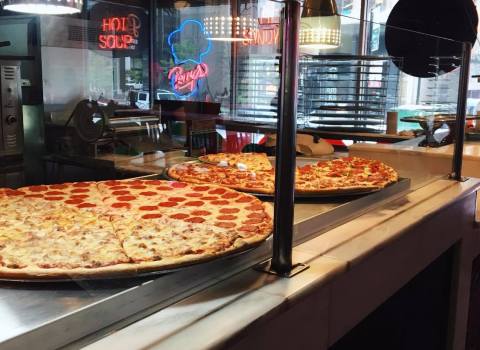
(462, 178)
(266, 267)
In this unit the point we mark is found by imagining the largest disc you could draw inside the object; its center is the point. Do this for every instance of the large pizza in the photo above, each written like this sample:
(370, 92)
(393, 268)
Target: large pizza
(92, 229)
(250, 173)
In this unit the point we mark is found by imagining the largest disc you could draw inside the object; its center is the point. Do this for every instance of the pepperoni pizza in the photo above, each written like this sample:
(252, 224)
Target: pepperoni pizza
(94, 229)
(343, 175)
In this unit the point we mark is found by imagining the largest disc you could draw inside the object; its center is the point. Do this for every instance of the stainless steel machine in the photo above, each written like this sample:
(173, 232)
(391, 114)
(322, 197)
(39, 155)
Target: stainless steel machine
(11, 119)
(94, 129)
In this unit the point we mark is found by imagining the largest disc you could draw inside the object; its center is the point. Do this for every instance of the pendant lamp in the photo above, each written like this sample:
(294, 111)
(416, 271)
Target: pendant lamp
(320, 25)
(44, 7)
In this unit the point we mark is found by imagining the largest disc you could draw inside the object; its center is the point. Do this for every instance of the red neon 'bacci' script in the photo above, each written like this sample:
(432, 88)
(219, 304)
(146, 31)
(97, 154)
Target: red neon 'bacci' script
(187, 80)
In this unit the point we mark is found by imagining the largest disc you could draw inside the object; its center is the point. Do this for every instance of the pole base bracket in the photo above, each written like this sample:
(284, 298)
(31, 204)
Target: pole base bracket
(266, 267)
(462, 178)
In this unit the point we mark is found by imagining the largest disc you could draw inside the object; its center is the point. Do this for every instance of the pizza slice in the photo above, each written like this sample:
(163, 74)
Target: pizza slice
(241, 161)
(81, 195)
(49, 238)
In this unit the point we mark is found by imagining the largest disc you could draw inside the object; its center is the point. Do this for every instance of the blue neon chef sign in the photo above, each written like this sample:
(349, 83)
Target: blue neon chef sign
(187, 73)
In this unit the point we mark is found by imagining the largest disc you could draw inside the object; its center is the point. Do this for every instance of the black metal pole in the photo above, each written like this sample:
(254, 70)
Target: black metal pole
(461, 112)
(152, 81)
(286, 141)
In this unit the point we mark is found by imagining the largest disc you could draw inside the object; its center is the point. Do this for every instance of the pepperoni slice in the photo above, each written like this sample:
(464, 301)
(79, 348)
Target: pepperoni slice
(14, 193)
(112, 183)
(178, 184)
(195, 219)
(148, 207)
(230, 195)
(201, 188)
(135, 182)
(38, 188)
(138, 187)
(218, 191)
(81, 184)
(53, 198)
(59, 186)
(255, 207)
(120, 193)
(201, 212)
(34, 196)
(80, 190)
(74, 201)
(167, 204)
(179, 216)
(121, 205)
(256, 215)
(154, 182)
(225, 224)
(226, 217)
(177, 199)
(229, 210)
(86, 205)
(245, 199)
(54, 193)
(210, 198)
(126, 198)
(152, 216)
(248, 228)
(253, 221)
(148, 193)
(164, 188)
(194, 194)
(220, 202)
(114, 188)
(79, 196)
(194, 203)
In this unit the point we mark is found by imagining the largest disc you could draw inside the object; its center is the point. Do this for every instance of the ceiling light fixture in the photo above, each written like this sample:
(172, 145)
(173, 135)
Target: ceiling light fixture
(320, 25)
(44, 7)
(229, 28)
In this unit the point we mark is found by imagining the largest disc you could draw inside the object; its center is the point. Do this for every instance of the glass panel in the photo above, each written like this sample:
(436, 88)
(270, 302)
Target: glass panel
(118, 104)
(105, 55)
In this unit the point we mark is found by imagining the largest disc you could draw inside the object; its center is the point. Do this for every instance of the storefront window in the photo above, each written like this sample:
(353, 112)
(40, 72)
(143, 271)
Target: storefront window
(105, 53)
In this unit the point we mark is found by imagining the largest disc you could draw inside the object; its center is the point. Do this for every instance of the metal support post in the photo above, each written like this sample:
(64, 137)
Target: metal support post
(461, 113)
(281, 262)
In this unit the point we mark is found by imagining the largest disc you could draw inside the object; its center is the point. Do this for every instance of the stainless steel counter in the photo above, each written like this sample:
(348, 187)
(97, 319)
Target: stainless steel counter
(50, 315)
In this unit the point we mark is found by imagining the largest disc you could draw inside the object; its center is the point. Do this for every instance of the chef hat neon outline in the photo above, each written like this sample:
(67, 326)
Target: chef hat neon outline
(194, 60)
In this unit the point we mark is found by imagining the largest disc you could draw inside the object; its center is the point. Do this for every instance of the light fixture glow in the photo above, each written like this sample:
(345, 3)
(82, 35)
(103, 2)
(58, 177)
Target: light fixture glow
(225, 26)
(44, 7)
(320, 25)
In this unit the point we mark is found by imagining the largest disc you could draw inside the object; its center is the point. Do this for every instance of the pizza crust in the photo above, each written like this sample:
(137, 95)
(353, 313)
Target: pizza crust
(127, 270)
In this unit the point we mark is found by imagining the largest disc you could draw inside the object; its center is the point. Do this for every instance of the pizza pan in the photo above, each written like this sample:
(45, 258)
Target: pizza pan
(136, 276)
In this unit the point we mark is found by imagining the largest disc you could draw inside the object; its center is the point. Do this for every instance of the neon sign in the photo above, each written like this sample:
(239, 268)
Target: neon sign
(183, 80)
(119, 33)
(186, 75)
(268, 33)
(261, 37)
